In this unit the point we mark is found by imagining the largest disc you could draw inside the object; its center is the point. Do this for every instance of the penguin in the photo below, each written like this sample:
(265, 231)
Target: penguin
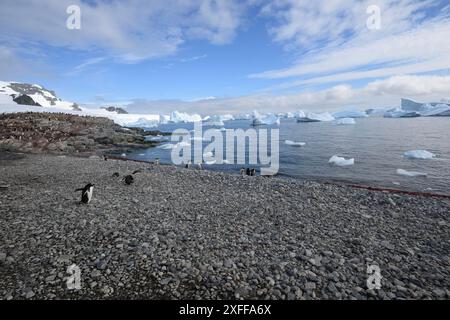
(128, 179)
(242, 171)
(86, 193)
(247, 171)
(105, 158)
(157, 161)
(188, 165)
(253, 172)
(116, 175)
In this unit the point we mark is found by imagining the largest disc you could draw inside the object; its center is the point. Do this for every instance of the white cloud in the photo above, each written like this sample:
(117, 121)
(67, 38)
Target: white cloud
(343, 49)
(379, 93)
(130, 30)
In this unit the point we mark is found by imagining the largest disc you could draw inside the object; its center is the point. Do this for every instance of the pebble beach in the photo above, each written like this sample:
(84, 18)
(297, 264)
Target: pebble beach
(179, 233)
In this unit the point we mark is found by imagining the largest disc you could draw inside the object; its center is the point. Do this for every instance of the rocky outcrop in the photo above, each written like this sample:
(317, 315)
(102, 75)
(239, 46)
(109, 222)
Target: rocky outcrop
(116, 109)
(65, 133)
(26, 100)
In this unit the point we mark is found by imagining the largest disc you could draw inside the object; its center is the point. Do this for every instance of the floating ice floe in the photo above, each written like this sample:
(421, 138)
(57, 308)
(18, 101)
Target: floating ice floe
(350, 114)
(419, 154)
(345, 121)
(341, 162)
(316, 117)
(169, 146)
(412, 174)
(294, 143)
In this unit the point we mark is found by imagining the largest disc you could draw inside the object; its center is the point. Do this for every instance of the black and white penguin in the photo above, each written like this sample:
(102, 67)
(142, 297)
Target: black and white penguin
(157, 161)
(128, 179)
(242, 171)
(86, 193)
(247, 171)
(116, 175)
(253, 172)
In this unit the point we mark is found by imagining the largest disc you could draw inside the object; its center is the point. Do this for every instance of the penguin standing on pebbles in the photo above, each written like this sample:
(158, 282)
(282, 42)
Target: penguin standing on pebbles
(86, 193)
(253, 172)
(243, 172)
(128, 179)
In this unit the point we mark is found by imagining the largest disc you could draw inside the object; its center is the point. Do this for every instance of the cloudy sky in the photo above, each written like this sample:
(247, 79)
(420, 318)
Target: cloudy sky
(230, 56)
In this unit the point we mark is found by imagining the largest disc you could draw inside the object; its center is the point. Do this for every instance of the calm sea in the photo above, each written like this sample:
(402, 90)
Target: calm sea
(376, 144)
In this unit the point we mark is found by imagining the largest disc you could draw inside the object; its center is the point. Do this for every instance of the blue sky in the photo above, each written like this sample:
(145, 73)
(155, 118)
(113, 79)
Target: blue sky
(274, 55)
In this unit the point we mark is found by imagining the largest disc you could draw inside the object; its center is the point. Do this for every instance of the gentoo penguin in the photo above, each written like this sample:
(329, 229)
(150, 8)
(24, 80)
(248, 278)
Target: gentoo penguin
(253, 172)
(157, 161)
(188, 165)
(247, 171)
(128, 179)
(105, 158)
(86, 193)
(243, 172)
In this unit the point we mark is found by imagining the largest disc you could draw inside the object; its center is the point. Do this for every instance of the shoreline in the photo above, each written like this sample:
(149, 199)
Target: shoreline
(187, 234)
(321, 181)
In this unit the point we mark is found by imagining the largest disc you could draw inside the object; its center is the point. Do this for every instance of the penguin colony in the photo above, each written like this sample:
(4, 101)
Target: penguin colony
(88, 190)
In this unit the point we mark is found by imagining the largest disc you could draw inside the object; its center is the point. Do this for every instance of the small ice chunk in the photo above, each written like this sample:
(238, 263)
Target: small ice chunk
(341, 162)
(419, 154)
(294, 143)
(411, 173)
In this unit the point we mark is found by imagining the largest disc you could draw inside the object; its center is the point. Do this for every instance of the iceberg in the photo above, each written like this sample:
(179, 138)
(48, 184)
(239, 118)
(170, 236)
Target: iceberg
(294, 143)
(316, 117)
(439, 110)
(350, 114)
(143, 123)
(341, 162)
(214, 121)
(180, 117)
(345, 121)
(412, 174)
(268, 119)
(399, 113)
(434, 109)
(419, 154)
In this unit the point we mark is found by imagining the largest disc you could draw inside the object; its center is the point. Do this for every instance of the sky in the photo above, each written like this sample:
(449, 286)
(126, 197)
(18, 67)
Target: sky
(230, 56)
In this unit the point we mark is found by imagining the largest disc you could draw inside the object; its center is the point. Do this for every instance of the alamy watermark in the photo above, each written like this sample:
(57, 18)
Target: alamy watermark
(374, 20)
(228, 147)
(74, 280)
(374, 278)
(73, 22)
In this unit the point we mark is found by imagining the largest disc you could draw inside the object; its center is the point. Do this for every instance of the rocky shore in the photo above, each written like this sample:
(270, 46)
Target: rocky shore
(181, 233)
(67, 134)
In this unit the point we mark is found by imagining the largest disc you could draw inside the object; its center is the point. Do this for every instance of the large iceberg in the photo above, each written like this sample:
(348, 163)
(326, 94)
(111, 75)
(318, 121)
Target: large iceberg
(433, 109)
(350, 114)
(419, 154)
(316, 117)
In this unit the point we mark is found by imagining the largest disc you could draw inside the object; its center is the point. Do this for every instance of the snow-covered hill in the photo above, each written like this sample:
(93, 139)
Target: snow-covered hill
(34, 95)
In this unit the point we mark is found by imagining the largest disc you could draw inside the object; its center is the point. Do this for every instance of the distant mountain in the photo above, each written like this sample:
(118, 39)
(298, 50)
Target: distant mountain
(33, 95)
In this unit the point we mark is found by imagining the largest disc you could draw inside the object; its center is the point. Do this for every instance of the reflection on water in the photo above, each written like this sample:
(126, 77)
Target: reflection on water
(377, 144)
